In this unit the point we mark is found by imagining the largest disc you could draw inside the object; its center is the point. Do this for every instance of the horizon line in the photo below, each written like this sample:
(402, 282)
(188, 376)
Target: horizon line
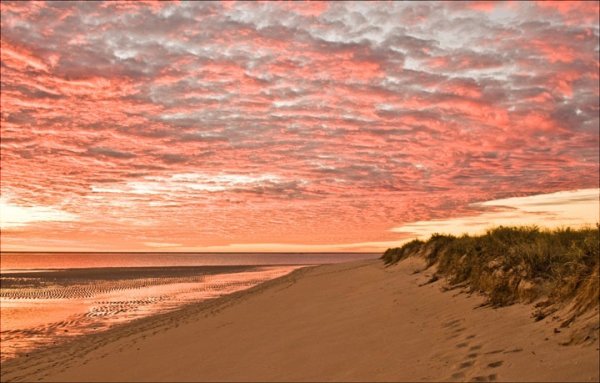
(202, 252)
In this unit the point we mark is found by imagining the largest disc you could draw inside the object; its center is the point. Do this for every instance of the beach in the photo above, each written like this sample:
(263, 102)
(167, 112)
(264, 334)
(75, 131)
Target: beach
(48, 298)
(45, 307)
(358, 321)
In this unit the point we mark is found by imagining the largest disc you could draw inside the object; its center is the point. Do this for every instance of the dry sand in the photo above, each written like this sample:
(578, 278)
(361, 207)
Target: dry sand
(345, 322)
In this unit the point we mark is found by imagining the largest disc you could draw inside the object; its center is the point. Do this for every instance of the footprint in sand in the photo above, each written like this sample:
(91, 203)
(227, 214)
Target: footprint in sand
(518, 349)
(496, 364)
(454, 328)
(452, 323)
(462, 345)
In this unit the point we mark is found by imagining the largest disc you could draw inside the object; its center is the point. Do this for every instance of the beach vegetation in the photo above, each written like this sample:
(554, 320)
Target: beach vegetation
(516, 264)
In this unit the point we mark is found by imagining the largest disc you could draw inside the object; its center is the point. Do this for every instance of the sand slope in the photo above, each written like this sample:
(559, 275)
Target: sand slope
(345, 322)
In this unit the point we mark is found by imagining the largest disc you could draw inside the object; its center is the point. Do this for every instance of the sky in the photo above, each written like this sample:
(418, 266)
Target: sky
(279, 126)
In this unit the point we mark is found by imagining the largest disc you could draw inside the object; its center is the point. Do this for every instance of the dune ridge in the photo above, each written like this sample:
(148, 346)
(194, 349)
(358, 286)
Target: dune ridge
(517, 264)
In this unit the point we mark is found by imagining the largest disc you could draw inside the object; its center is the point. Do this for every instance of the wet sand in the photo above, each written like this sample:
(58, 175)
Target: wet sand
(42, 308)
(345, 322)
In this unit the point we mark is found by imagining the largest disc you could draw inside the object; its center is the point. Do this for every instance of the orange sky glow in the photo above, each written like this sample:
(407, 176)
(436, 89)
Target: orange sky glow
(293, 126)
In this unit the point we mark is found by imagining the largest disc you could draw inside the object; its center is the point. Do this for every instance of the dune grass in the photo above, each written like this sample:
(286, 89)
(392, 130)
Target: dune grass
(516, 264)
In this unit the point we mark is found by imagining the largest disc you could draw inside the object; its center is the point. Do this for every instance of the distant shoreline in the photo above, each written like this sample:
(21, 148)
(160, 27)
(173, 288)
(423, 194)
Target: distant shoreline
(192, 252)
(77, 260)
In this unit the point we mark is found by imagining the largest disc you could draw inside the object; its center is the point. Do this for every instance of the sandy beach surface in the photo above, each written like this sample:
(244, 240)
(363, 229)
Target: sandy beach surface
(356, 321)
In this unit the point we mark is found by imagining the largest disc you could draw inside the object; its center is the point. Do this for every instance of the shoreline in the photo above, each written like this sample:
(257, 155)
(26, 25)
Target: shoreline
(383, 319)
(140, 323)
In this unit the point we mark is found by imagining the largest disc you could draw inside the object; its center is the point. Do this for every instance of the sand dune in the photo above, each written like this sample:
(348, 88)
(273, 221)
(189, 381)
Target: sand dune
(345, 322)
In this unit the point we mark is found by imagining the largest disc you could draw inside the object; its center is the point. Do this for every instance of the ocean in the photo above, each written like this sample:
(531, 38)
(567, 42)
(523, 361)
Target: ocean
(47, 298)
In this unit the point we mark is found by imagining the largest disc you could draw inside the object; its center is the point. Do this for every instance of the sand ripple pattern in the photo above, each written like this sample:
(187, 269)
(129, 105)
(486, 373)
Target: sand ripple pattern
(89, 290)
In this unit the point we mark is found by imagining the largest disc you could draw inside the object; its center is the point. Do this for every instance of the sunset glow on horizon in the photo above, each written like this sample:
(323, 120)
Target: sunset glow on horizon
(293, 126)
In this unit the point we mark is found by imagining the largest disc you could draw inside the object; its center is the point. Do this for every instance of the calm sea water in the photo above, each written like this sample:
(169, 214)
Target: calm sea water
(46, 298)
(44, 261)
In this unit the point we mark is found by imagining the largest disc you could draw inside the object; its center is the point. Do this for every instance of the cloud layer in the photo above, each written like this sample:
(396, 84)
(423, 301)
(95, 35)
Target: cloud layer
(209, 124)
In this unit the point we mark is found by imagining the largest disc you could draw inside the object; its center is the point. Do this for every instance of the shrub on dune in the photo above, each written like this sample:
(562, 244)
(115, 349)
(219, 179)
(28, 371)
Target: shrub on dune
(516, 264)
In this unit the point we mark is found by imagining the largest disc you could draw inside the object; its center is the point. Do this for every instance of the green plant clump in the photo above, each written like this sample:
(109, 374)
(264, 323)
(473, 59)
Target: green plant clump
(516, 264)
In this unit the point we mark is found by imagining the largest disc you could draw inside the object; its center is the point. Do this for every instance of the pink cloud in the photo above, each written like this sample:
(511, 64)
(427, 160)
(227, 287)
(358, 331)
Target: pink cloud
(303, 123)
(484, 6)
